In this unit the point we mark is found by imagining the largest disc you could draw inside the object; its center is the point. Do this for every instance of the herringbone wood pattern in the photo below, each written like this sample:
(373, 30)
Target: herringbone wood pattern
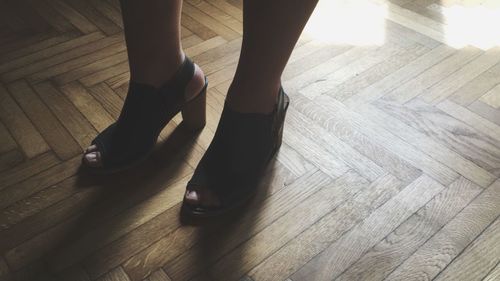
(389, 168)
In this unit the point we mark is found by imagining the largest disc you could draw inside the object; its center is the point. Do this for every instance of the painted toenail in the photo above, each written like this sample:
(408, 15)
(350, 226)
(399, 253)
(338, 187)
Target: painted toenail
(92, 157)
(192, 195)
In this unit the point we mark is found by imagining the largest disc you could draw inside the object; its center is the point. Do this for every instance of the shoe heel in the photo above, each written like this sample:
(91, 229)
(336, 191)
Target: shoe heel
(279, 136)
(194, 111)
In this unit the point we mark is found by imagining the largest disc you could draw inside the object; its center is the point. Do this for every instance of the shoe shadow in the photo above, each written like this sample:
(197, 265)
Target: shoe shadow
(112, 211)
(220, 251)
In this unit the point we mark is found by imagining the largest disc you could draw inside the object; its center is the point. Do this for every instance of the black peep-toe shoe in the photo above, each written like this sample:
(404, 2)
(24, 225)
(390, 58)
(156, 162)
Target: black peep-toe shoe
(146, 111)
(243, 145)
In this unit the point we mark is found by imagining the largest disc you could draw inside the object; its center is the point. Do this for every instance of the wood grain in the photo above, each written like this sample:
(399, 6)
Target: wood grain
(333, 261)
(388, 169)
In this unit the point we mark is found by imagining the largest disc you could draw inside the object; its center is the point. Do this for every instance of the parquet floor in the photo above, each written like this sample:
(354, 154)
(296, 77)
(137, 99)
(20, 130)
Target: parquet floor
(389, 169)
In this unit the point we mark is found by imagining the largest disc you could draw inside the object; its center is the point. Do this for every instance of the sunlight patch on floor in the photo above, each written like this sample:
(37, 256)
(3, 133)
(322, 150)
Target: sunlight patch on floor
(475, 24)
(353, 22)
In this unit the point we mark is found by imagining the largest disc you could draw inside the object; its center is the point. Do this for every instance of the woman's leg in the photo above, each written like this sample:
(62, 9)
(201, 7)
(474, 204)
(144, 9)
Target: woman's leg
(270, 30)
(152, 34)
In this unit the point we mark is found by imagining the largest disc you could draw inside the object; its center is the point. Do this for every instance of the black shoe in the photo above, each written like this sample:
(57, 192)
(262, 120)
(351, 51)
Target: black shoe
(146, 111)
(233, 164)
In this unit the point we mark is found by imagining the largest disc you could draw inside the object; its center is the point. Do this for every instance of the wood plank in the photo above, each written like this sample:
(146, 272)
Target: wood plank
(333, 260)
(88, 106)
(426, 144)
(492, 97)
(452, 239)
(468, 72)
(470, 118)
(471, 144)
(205, 46)
(106, 213)
(494, 274)
(308, 48)
(112, 12)
(115, 275)
(221, 76)
(245, 256)
(20, 219)
(350, 135)
(299, 65)
(185, 32)
(107, 26)
(119, 81)
(81, 130)
(49, 14)
(400, 77)
(308, 77)
(61, 57)
(27, 169)
(384, 257)
(268, 210)
(354, 85)
(414, 21)
(325, 231)
(441, 69)
(339, 114)
(190, 41)
(197, 28)
(103, 257)
(476, 261)
(10, 159)
(219, 15)
(159, 275)
(323, 149)
(53, 132)
(228, 9)
(73, 16)
(49, 51)
(37, 46)
(107, 98)
(24, 40)
(352, 69)
(7, 143)
(20, 127)
(79, 68)
(208, 21)
(410, 34)
(230, 60)
(318, 156)
(485, 111)
(138, 241)
(104, 74)
(474, 89)
(38, 182)
(293, 161)
(218, 53)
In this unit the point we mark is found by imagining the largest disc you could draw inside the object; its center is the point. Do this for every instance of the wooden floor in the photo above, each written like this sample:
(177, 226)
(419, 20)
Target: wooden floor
(389, 168)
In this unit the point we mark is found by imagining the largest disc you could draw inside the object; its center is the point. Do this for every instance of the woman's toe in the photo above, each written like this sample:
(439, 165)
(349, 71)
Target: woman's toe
(192, 197)
(201, 197)
(91, 148)
(93, 159)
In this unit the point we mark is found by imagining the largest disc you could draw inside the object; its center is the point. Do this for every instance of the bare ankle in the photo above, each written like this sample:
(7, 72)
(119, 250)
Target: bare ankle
(252, 99)
(155, 70)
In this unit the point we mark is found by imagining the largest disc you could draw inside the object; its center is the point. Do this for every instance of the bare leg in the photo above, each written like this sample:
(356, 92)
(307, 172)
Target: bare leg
(271, 29)
(152, 33)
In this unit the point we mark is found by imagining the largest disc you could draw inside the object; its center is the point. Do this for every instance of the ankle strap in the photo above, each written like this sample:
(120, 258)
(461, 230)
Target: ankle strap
(183, 75)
